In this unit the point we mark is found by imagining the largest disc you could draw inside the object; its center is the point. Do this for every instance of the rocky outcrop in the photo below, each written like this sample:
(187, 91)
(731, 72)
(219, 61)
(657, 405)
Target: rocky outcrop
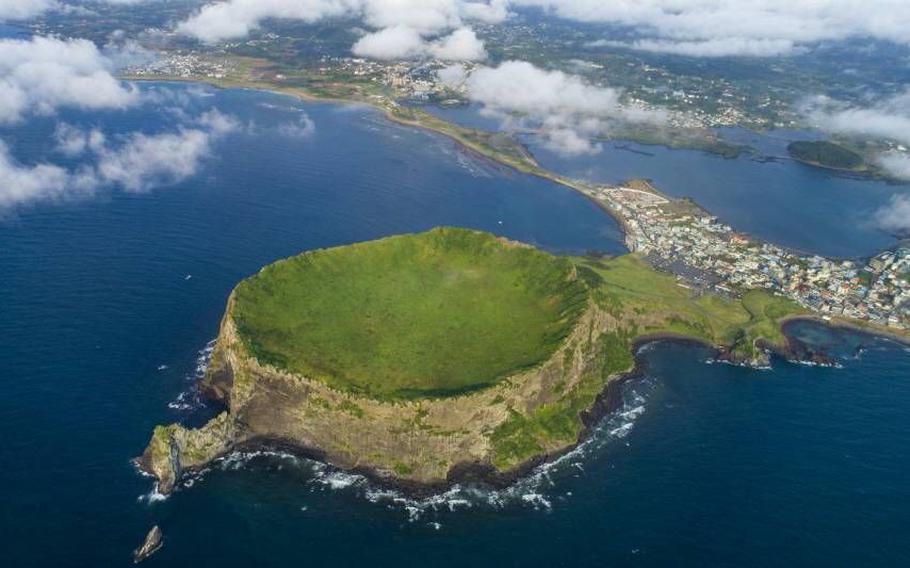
(173, 449)
(152, 544)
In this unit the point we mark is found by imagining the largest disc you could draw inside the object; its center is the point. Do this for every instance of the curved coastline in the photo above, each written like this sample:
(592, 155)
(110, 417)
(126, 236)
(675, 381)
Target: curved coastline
(851, 326)
(609, 398)
(450, 131)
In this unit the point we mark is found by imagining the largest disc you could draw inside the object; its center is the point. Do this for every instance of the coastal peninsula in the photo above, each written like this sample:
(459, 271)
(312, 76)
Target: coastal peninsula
(445, 356)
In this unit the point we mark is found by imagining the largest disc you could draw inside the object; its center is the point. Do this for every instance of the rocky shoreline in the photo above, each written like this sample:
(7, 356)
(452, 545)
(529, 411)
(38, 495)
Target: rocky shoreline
(607, 401)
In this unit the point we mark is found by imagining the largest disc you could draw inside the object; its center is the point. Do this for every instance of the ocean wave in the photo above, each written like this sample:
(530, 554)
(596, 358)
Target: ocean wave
(805, 363)
(190, 400)
(474, 167)
(741, 364)
(539, 490)
(152, 497)
(283, 108)
(646, 347)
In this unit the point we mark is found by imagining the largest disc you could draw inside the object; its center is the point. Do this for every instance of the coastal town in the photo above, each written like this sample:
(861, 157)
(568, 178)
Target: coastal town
(673, 235)
(414, 81)
(679, 237)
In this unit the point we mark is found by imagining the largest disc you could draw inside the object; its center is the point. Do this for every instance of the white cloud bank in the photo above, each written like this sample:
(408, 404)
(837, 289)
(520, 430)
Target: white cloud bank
(303, 127)
(888, 118)
(567, 111)
(237, 18)
(739, 27)
(403, 28)
(134, 163)
(403, 42)
(14, 10)
(895, 217)
(43, 74)
(703, 28)
(21, 10)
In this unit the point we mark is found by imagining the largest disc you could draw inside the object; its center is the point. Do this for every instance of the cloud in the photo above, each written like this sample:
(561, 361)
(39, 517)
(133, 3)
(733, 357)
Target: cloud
(569, 142)
(721, 47)
(236, 18)
(146, 161)
(399, 42)
(518, 86)
(72, 141)
(739, 27)
(896, 163)
(566, 110)
(42, 74)
(402, 42)
(895, 217)
(492, 12)
(20, 10)
(20, 184)
(461, 45)
(424, 16)
(14, 10)
(304, 127)
(135, 162)
(402, 28)
(888, 118)
(452, 76)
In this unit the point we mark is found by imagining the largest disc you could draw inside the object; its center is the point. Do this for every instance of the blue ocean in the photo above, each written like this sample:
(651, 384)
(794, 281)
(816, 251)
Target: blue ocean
(763, 192)
(108, 304)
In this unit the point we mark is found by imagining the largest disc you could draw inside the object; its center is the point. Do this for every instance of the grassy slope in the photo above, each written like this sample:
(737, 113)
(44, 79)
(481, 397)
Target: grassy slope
(439, 313)
(654, 303)
(642, 302)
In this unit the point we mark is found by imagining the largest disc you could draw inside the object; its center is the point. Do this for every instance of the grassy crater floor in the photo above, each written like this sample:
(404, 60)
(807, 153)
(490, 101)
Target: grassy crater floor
(433, 314)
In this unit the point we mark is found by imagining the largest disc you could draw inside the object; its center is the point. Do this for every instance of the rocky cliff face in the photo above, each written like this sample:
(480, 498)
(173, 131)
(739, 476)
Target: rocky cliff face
(422, 443)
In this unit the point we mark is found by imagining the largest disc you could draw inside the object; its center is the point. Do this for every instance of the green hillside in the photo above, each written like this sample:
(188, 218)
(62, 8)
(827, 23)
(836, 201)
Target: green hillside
(433, 314)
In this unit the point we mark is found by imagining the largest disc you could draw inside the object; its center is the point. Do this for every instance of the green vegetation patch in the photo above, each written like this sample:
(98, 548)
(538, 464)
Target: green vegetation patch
(652, 302)
(827, 154)
(434, 314)
(521, 437)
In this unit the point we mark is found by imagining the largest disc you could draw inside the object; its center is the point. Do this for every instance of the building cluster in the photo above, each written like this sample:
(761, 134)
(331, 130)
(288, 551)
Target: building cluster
(419, 80)
(185, 66)
(679, 235)
(411, 80)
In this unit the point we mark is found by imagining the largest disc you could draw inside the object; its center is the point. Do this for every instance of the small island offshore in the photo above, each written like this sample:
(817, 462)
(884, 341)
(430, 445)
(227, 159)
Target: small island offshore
(450, 355)
(826, 154)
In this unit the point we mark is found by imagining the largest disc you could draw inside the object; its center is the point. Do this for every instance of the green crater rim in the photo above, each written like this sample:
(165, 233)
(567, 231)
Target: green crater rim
(434, 314)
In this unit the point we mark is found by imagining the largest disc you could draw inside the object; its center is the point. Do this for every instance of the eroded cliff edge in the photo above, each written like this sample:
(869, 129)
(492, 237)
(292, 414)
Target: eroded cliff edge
(424, 442)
